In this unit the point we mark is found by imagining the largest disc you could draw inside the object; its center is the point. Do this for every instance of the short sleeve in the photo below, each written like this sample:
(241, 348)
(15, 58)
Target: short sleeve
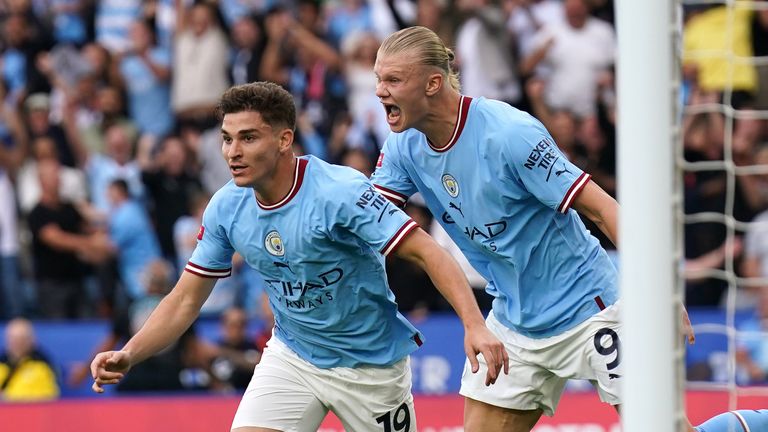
(370, 216)
(390, 179)
(212, 257)
(541, 167)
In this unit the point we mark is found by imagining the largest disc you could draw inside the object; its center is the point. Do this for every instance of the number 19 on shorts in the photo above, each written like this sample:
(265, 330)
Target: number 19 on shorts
(397, 420)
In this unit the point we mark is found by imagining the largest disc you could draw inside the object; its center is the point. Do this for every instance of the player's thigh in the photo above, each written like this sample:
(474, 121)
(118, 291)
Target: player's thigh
(529, 386)
(483, 417)
(280, 398)
(370, 399)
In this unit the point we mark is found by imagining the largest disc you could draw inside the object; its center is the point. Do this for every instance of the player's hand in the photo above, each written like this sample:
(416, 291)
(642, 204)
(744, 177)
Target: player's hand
(109, 368)
(687, 327)
(480, 340)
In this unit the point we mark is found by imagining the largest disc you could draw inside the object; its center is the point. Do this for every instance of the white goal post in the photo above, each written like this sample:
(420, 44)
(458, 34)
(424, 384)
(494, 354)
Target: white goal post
(647, 80)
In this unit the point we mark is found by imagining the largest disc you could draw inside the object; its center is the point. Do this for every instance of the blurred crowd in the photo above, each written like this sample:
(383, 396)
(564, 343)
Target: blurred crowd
(109, 148)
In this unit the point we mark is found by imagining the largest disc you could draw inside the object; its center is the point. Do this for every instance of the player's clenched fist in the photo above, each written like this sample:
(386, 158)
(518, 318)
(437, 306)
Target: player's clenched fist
(109, 368)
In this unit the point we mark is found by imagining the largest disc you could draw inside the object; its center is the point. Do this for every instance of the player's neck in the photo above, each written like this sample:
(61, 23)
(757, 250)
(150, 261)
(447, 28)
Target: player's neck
(279, 185)
(440, 123)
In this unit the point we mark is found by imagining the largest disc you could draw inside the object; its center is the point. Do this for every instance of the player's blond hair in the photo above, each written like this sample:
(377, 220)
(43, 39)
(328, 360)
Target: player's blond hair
(426, 47)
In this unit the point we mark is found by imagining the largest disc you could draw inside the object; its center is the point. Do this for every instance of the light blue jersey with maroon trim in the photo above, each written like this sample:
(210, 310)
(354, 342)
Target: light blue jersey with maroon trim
(737, 421)
(321, 253)
(502, 189)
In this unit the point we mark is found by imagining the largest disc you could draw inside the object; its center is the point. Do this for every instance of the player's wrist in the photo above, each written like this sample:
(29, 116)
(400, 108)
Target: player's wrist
(473, 323)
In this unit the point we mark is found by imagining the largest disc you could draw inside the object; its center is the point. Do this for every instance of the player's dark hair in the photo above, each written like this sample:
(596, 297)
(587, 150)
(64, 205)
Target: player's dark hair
(270, 100)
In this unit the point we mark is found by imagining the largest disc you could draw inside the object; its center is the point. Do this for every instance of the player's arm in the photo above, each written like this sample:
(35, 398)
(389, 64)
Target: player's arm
(175, 313)
(447, 276)
(595, 203)
(603, 210)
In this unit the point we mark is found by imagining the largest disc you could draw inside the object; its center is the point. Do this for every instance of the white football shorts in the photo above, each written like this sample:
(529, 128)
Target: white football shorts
(539, 368)
(290, 394)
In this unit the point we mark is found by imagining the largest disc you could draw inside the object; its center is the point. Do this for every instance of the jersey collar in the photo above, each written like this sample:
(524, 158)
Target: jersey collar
(461, 119)
(298, 179)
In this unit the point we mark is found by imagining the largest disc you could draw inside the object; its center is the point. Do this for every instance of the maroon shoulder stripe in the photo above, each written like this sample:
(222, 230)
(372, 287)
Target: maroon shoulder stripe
(573, 191)
(206, 272)
(394, 242)
(396, 197)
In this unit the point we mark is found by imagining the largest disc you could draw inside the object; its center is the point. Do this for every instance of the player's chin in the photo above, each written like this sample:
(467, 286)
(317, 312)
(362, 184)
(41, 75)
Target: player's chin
(242, 181)
(397, 127)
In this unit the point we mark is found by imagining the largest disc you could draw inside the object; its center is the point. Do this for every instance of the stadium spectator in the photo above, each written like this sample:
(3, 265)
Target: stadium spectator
(575, 55)
(755, 264)
(109, 104)
(112, 23)
(359, 51)
(72, 184)
(26, 375)
(12, 296)
(345, 18)
(133, 239)
(13, 146)
(752, 352)
(145, 69)
(303, 220)
(117, 162)
(760, 49)
(170, 181)
(237, 353)
(62, 245)
(22, 40)
(69, 21)
(703, 31)
(528, 17)
(299, 58)
(249, 42)
(485, 53)
(38, 107)
(200, 66)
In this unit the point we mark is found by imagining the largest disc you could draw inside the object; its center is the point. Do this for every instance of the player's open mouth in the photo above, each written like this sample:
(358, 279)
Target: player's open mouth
(237, 169)
(393, 113)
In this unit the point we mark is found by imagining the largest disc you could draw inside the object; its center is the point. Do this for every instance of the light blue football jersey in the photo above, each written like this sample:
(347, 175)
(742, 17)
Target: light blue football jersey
(737, 421)
(321, 253)
(502, 189)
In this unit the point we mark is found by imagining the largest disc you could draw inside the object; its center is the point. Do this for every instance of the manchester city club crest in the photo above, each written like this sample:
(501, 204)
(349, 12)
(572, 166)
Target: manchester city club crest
(274, 244)
(451, 185)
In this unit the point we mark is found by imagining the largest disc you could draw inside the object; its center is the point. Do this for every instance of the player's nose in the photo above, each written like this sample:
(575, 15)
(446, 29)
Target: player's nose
(381, 90)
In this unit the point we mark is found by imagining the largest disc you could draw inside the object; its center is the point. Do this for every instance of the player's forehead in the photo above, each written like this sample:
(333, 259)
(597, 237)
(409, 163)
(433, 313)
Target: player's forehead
(397, 63)
(243, 121)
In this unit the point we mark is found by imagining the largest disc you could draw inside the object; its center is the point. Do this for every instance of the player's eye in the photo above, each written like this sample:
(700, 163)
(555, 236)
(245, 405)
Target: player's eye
(227, 140)
(249, 138)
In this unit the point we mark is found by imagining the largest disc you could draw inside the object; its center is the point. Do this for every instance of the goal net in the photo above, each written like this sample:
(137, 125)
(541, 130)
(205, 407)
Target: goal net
(693, 164)
(722, 157)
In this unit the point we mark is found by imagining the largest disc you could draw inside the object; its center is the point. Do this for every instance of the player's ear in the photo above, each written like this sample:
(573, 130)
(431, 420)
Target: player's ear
(434, 83)
(286, 140)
